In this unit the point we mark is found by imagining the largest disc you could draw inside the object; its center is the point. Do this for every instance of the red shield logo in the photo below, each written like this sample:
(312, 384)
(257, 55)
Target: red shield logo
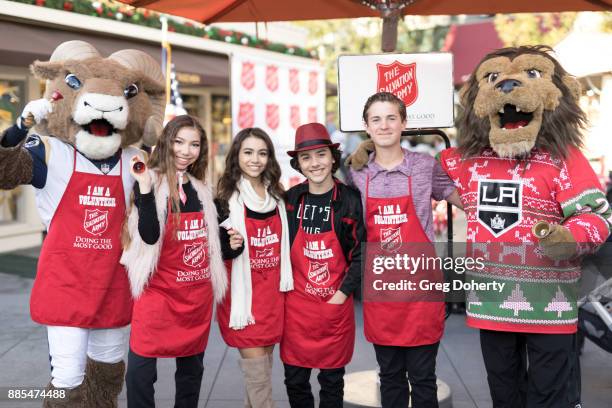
(272, 77)
(264, 253)
(390, 239)
(313, 82)
(294, 80)
(272, 116)
(95, 222)
(247, 77)
(312, 114)
(318, 273)
(194, 254)
(246, 115)
(294, 117)
(399, 79)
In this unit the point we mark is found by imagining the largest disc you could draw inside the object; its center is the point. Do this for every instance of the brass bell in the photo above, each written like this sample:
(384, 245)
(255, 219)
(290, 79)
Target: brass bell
(541, 229)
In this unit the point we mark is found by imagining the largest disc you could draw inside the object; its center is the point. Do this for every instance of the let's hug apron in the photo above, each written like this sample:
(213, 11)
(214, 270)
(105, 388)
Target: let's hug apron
(393, 221)
(172, 317)
(79, 281)
(264, 243)
(317, 334)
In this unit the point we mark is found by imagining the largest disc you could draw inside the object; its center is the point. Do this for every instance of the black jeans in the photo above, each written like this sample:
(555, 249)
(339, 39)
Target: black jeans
(530, 370)
(142, 374)
(297, 381)
(398, 365)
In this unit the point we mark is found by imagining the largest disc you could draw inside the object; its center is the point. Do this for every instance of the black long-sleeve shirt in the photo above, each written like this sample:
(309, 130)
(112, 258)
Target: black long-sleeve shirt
(348, 225)
(148, 224)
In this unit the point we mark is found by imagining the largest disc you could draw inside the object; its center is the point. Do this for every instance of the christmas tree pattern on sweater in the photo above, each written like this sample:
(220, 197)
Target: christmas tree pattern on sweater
(503, 198)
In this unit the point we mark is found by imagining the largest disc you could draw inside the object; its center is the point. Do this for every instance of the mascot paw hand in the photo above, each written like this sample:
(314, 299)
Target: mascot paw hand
(360, 157)
(39, 108)
(559, 243)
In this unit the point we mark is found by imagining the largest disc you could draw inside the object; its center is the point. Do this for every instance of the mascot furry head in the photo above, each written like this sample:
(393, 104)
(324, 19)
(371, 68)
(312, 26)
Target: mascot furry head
(106, 103)
(519, 98)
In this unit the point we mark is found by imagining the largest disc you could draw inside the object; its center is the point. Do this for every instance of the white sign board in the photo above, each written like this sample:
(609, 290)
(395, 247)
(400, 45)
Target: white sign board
(277, 95)
(423, 81)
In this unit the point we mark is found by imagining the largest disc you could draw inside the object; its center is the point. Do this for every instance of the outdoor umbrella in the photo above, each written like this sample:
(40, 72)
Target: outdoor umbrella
(210, 11)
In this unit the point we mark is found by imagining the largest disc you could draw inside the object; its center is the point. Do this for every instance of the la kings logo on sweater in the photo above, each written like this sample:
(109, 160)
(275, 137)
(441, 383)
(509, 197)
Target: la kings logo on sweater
(499, 205)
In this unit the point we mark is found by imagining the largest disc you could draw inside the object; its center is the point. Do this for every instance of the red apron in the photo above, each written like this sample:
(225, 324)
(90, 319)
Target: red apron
(268, 306)
(79, 281)
(412, 323)
(317, 334)
(172, 317)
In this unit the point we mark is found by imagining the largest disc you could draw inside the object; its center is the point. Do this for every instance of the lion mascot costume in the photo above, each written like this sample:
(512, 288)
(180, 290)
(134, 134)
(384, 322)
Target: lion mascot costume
(93, 110)
(523, 181)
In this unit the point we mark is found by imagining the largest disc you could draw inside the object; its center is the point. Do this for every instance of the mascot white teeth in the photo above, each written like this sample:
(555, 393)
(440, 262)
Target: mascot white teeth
(93, 110)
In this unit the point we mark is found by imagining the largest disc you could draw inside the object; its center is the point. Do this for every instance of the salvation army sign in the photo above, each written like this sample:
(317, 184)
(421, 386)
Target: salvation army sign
(423, 81)
(400, 80)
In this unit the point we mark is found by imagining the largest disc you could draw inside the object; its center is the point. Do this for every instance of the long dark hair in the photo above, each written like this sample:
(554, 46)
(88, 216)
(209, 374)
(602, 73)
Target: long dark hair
(228, 183)
(162, 158)
(162, 161)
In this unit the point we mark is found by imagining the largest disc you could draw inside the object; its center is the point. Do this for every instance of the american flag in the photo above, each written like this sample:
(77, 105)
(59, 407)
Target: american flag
(174, 101)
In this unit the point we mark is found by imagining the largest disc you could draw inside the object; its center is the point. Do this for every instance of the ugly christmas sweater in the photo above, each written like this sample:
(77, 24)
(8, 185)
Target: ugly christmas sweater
(503, 198)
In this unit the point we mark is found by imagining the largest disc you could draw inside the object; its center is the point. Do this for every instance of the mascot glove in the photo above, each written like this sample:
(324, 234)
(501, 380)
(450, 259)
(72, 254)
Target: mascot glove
(360, 156)
(39, 108)
(559, 244)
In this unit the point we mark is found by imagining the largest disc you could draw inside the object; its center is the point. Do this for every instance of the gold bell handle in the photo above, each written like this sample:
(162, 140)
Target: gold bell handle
(541, 229)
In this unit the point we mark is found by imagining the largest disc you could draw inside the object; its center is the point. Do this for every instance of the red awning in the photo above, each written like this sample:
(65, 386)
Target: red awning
(469, 43)
(282, 10)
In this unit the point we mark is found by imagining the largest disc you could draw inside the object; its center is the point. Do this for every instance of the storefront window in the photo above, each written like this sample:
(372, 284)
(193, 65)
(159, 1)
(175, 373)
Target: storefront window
(191, 103)
(221, 133)
(12, 101)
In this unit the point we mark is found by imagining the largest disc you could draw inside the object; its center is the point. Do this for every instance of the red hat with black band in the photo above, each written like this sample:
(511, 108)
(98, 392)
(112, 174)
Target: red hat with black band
(311, 136)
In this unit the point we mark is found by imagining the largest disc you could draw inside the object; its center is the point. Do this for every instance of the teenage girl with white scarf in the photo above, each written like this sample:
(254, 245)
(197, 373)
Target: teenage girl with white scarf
(255, 242)
(174, 264)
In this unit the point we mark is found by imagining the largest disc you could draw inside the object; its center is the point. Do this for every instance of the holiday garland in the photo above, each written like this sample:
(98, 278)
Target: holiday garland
(148, 18)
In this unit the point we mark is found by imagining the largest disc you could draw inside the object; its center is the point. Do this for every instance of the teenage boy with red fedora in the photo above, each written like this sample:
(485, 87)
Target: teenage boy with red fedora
(326, 230)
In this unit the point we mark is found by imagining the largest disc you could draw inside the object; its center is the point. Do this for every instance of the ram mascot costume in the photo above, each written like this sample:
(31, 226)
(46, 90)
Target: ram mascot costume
(533, 204)
(94, 109)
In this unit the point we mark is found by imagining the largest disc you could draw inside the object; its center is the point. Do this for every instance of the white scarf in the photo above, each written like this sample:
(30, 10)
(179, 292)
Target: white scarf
(242, 289)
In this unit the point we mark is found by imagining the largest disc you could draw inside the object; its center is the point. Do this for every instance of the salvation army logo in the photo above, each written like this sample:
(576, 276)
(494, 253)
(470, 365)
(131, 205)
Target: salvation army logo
(247, 76)
(272, 116)
(312, 114)
(193, 254)
(294, 116)
(318, 273)
(399, 79)
(294, 80)
(246, 115)
(95, 222)
(313, 82)
(390, 239)
(264, 253)
(272, 77)
(499, 205)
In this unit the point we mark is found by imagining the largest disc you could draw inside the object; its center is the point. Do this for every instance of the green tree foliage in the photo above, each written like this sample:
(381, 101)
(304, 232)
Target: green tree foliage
(332, 38)
(533, 28)
(606, 25)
